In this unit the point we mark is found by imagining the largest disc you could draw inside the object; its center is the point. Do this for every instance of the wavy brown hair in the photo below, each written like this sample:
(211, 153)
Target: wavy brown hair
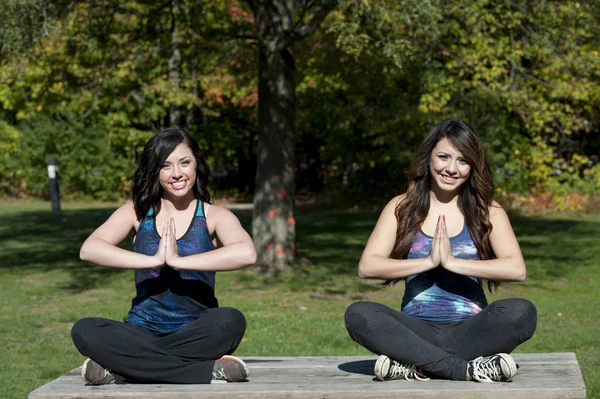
(475, 197)
(147, 191)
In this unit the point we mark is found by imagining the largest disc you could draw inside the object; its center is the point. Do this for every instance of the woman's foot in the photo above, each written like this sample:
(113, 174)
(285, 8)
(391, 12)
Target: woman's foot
(389, 369)
(230, 369)
(500, 367)
(95, 374)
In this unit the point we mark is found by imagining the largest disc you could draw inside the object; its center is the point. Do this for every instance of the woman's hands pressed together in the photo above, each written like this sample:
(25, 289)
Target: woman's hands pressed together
(167, 252)
(440, 253)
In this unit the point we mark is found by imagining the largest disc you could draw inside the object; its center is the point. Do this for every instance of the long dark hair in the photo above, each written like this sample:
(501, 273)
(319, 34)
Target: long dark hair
(147, 191)
(475, 197)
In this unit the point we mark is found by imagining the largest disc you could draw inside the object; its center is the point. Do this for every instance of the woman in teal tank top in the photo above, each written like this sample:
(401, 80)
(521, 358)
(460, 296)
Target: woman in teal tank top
(443, 237)
(175, 331)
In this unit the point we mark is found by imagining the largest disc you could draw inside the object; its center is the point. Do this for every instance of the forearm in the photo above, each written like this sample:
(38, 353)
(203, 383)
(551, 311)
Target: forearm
(379, 267)
(102, 253)
(231, 257)
(503, 269)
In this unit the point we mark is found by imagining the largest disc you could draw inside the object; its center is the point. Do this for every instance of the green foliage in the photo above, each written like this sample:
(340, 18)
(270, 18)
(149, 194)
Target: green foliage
(88, 168)
(109, 68)
(369, 86)
(526, 79)
(22, 23)
(9, 174)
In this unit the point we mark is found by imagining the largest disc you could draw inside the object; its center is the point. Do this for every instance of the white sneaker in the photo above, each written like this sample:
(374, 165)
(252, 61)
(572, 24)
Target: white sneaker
(500, 367)
(389, 369)
(94, 374)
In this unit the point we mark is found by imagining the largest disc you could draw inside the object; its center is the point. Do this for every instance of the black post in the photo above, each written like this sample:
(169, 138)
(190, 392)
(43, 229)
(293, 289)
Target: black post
(53, 176)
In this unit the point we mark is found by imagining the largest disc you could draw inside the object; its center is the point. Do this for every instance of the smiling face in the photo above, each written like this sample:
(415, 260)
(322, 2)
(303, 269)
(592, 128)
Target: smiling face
(449, 170)
(178, 173)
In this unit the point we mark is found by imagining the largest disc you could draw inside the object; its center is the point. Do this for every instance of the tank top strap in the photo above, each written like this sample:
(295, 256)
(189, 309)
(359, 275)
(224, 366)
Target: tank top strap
(200, 208)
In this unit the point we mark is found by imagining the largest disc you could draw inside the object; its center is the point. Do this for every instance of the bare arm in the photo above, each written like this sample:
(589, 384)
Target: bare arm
(237, 251)
(509, 264)
(102, 246)
(375, 261)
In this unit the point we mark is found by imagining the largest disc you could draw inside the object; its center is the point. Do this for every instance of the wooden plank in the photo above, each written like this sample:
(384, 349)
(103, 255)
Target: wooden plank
(541, 375)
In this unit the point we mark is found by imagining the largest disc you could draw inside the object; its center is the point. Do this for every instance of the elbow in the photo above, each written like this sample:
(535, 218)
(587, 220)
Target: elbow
(520, 273)
(521, 276)
(250, 256)
(363, 271)
(84, 254)
(88, 250)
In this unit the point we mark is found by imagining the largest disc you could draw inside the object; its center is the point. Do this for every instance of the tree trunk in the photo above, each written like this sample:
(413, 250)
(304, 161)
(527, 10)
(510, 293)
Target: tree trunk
(273, 223)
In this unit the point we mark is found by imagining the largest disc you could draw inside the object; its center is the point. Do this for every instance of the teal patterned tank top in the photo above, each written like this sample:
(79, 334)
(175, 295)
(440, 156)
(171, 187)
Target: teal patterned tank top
(439, 294)
(167, 299)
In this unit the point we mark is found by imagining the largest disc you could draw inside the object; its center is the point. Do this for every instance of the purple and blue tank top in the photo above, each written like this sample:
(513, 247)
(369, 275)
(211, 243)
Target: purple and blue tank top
(167, 299)
(438, 294)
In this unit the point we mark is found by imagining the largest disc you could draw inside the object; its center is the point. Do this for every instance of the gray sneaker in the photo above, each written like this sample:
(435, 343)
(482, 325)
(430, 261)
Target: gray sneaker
(95, 374)
(496, 368)
(230, 369)
(389, 369)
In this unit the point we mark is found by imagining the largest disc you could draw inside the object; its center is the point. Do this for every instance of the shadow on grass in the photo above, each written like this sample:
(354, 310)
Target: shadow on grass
(42, 241)
(553, 248)
(330, 244)
(332, 241)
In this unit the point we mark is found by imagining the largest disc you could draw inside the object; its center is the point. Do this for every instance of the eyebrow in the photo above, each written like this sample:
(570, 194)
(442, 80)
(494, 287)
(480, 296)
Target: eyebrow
(446, 153)
(185, 158)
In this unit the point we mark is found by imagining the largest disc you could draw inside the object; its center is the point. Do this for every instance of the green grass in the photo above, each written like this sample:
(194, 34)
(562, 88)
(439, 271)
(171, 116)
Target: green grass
(45, 288)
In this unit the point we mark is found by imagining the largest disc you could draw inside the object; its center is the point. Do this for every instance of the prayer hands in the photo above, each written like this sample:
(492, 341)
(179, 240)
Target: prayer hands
(167, 247)
(172, 252)
(440, 253)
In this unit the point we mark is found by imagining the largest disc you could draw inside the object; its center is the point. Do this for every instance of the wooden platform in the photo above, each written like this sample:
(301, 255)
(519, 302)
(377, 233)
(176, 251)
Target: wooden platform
(541, 375)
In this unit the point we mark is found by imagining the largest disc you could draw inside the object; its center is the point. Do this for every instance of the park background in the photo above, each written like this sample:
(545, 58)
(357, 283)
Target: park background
(311, 111)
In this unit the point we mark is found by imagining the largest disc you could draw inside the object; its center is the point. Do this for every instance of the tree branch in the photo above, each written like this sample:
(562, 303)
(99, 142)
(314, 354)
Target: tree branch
(308, 5)
(326, 7)
(300, 32)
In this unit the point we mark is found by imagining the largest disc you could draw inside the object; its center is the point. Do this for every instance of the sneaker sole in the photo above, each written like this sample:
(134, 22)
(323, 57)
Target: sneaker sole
(83, 367)
(237, 359)
(102, 381)
(382, 367)
(508, 365)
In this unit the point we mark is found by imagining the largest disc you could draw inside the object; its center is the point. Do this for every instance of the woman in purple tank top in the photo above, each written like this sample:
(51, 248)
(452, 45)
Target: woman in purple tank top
(175, 331)
(443, 237)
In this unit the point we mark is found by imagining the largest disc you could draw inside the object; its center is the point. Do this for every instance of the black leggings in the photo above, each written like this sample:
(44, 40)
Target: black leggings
(134, 354)
(442, 348)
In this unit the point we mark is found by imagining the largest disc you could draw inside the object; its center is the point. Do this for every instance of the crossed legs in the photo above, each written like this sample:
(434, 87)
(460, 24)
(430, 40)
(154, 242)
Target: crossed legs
(441, 348)
(135, 354)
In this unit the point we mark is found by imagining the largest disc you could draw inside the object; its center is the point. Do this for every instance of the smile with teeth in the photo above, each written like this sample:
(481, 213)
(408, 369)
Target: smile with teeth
(178, 185)
(449, 179)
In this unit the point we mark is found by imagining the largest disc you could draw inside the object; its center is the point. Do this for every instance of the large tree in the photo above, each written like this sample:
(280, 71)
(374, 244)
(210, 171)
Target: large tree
(278, 25)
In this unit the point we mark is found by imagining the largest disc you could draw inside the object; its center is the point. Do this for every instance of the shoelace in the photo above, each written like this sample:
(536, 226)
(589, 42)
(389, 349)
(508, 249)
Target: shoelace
(106, 373)
(486, 370)
(406, 371)
(219, 375)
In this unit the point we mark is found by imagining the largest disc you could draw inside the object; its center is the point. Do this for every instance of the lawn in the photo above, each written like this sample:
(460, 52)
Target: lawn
(45, 288)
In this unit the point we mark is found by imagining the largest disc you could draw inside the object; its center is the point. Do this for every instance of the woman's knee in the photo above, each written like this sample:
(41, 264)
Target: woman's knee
(358, 314)
(234, 321)
(520, 312)
(82, 331)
